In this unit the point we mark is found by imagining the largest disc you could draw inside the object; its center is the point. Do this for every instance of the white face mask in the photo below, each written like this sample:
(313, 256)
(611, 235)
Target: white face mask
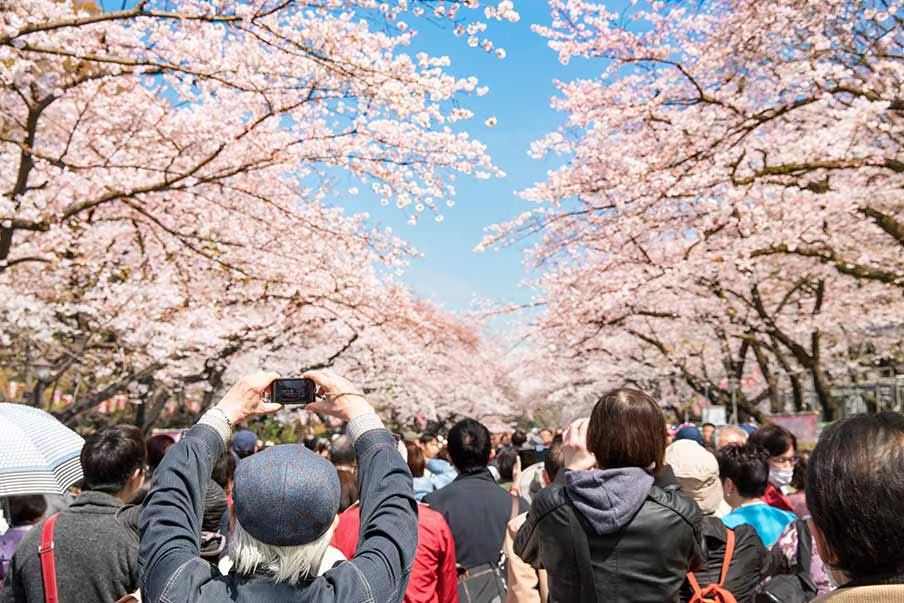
(780, 477)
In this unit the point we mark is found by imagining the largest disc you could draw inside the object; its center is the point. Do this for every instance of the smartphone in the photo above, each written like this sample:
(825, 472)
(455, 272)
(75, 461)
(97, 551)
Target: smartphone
(295, 392)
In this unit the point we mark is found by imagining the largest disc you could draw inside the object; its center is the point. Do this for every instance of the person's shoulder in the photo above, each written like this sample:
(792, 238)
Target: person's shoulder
(884, 593)
(734, 519)
(429, 516)
(28, 544)
(673, 499)
(351, 512)
(745, 531)
(432, 522)
(788, 515)
(774, 513)
(437, 498)
(548, 499)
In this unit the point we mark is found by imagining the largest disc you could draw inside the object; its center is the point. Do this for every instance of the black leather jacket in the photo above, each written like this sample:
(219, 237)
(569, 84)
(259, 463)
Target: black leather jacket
(644, 561)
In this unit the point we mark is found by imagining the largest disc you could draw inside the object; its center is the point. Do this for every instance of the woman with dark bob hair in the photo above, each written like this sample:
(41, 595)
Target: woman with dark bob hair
(781, 445)
(614, 526)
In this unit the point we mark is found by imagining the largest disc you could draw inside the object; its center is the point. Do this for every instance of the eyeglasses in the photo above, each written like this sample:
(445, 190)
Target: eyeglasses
(785, 461)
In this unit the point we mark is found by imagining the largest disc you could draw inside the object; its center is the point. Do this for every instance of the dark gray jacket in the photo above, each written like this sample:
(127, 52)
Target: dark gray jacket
(96, 556)
(477, 511)
(173, 571)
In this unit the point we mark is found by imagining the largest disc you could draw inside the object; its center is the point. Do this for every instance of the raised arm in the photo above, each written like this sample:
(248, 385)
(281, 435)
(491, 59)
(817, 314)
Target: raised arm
(388, 537)
(170, 524)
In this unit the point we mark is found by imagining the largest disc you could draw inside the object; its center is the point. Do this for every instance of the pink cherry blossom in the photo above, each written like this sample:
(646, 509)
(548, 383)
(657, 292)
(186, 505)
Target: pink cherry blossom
(170, 209)
(730, 205)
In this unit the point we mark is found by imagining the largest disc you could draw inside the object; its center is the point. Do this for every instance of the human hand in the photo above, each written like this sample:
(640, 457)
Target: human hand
(245, 399)
(342, 398)
(516, 473)
(574, 447)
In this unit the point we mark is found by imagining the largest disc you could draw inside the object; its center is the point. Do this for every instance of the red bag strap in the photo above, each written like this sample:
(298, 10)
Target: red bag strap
(729, 551)
(726, 561)
(48, 569)
(695, 585)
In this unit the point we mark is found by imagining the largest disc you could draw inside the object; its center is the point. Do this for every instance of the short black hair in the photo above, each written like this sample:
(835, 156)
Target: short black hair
(708, 425)
(747, 466)
(26, 509)
(469, 445)
(342, 452)
(555, 459)
(518, 439)
(224, 469)
(111, 455)
(774, 438)
(157, 446)
(855, 483)
(427, 438)
(505, 462)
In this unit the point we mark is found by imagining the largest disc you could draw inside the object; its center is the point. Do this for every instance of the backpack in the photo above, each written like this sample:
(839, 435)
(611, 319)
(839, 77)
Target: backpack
(797, 587)
(716, 593)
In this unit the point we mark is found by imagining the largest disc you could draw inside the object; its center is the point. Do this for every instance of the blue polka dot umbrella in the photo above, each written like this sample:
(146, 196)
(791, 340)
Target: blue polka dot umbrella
(38, 454)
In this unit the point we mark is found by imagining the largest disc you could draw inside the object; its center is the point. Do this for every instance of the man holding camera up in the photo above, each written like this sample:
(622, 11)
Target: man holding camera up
(284, 512)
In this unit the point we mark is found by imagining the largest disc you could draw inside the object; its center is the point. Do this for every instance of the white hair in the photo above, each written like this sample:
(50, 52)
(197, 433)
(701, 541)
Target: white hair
(728, 430)
(289, 564)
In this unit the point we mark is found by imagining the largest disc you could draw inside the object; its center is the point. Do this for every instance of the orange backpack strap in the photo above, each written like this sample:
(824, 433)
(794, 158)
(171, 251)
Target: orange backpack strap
(694, 584)
(48, 569)
(729, 552)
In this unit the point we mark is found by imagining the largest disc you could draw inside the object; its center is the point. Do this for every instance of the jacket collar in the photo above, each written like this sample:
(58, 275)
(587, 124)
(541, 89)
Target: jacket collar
(477, 474)
(876, 580)
(93, 498)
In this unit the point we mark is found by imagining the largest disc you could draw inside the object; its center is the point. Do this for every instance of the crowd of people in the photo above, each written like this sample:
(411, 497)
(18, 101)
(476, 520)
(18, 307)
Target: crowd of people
(617, 507)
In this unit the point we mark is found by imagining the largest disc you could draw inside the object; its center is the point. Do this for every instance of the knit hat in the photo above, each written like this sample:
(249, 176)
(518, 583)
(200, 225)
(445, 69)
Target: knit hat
(244, 442)
(689, 432)
(748, 427)
(286, 495)
(698, 473)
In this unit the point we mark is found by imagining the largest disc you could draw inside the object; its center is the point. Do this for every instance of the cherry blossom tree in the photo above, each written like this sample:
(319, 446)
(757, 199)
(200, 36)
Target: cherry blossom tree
(173, 172)
(730, 197)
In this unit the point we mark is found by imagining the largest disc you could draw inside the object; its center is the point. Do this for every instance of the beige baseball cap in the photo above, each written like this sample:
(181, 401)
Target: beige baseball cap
(698, 473)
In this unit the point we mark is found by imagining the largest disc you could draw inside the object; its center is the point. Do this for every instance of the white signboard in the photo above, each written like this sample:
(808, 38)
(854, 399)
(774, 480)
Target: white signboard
(713, 414)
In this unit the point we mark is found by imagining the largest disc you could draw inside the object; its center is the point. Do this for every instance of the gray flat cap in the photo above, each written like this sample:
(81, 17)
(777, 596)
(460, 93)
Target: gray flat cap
(286, 495)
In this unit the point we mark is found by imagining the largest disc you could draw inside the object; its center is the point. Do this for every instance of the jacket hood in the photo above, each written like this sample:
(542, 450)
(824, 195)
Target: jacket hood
(608, 499)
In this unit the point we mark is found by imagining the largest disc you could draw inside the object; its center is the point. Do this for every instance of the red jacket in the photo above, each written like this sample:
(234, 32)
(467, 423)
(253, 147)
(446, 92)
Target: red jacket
(433, 577)
(776, 498)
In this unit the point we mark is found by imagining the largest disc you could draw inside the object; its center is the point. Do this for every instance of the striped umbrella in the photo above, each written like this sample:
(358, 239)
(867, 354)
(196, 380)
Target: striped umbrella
(38, 454)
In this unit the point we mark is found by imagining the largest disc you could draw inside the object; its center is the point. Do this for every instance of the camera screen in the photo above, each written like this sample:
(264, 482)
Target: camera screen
(293, 391)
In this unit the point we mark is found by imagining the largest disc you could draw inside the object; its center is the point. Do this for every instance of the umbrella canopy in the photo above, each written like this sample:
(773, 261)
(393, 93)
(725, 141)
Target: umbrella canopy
(38, 454)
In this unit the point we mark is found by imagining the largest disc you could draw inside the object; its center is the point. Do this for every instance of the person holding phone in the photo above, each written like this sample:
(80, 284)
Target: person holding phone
(285, 500)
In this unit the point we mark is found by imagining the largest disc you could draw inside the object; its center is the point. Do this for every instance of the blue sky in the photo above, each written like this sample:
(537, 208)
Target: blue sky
(521, 86)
